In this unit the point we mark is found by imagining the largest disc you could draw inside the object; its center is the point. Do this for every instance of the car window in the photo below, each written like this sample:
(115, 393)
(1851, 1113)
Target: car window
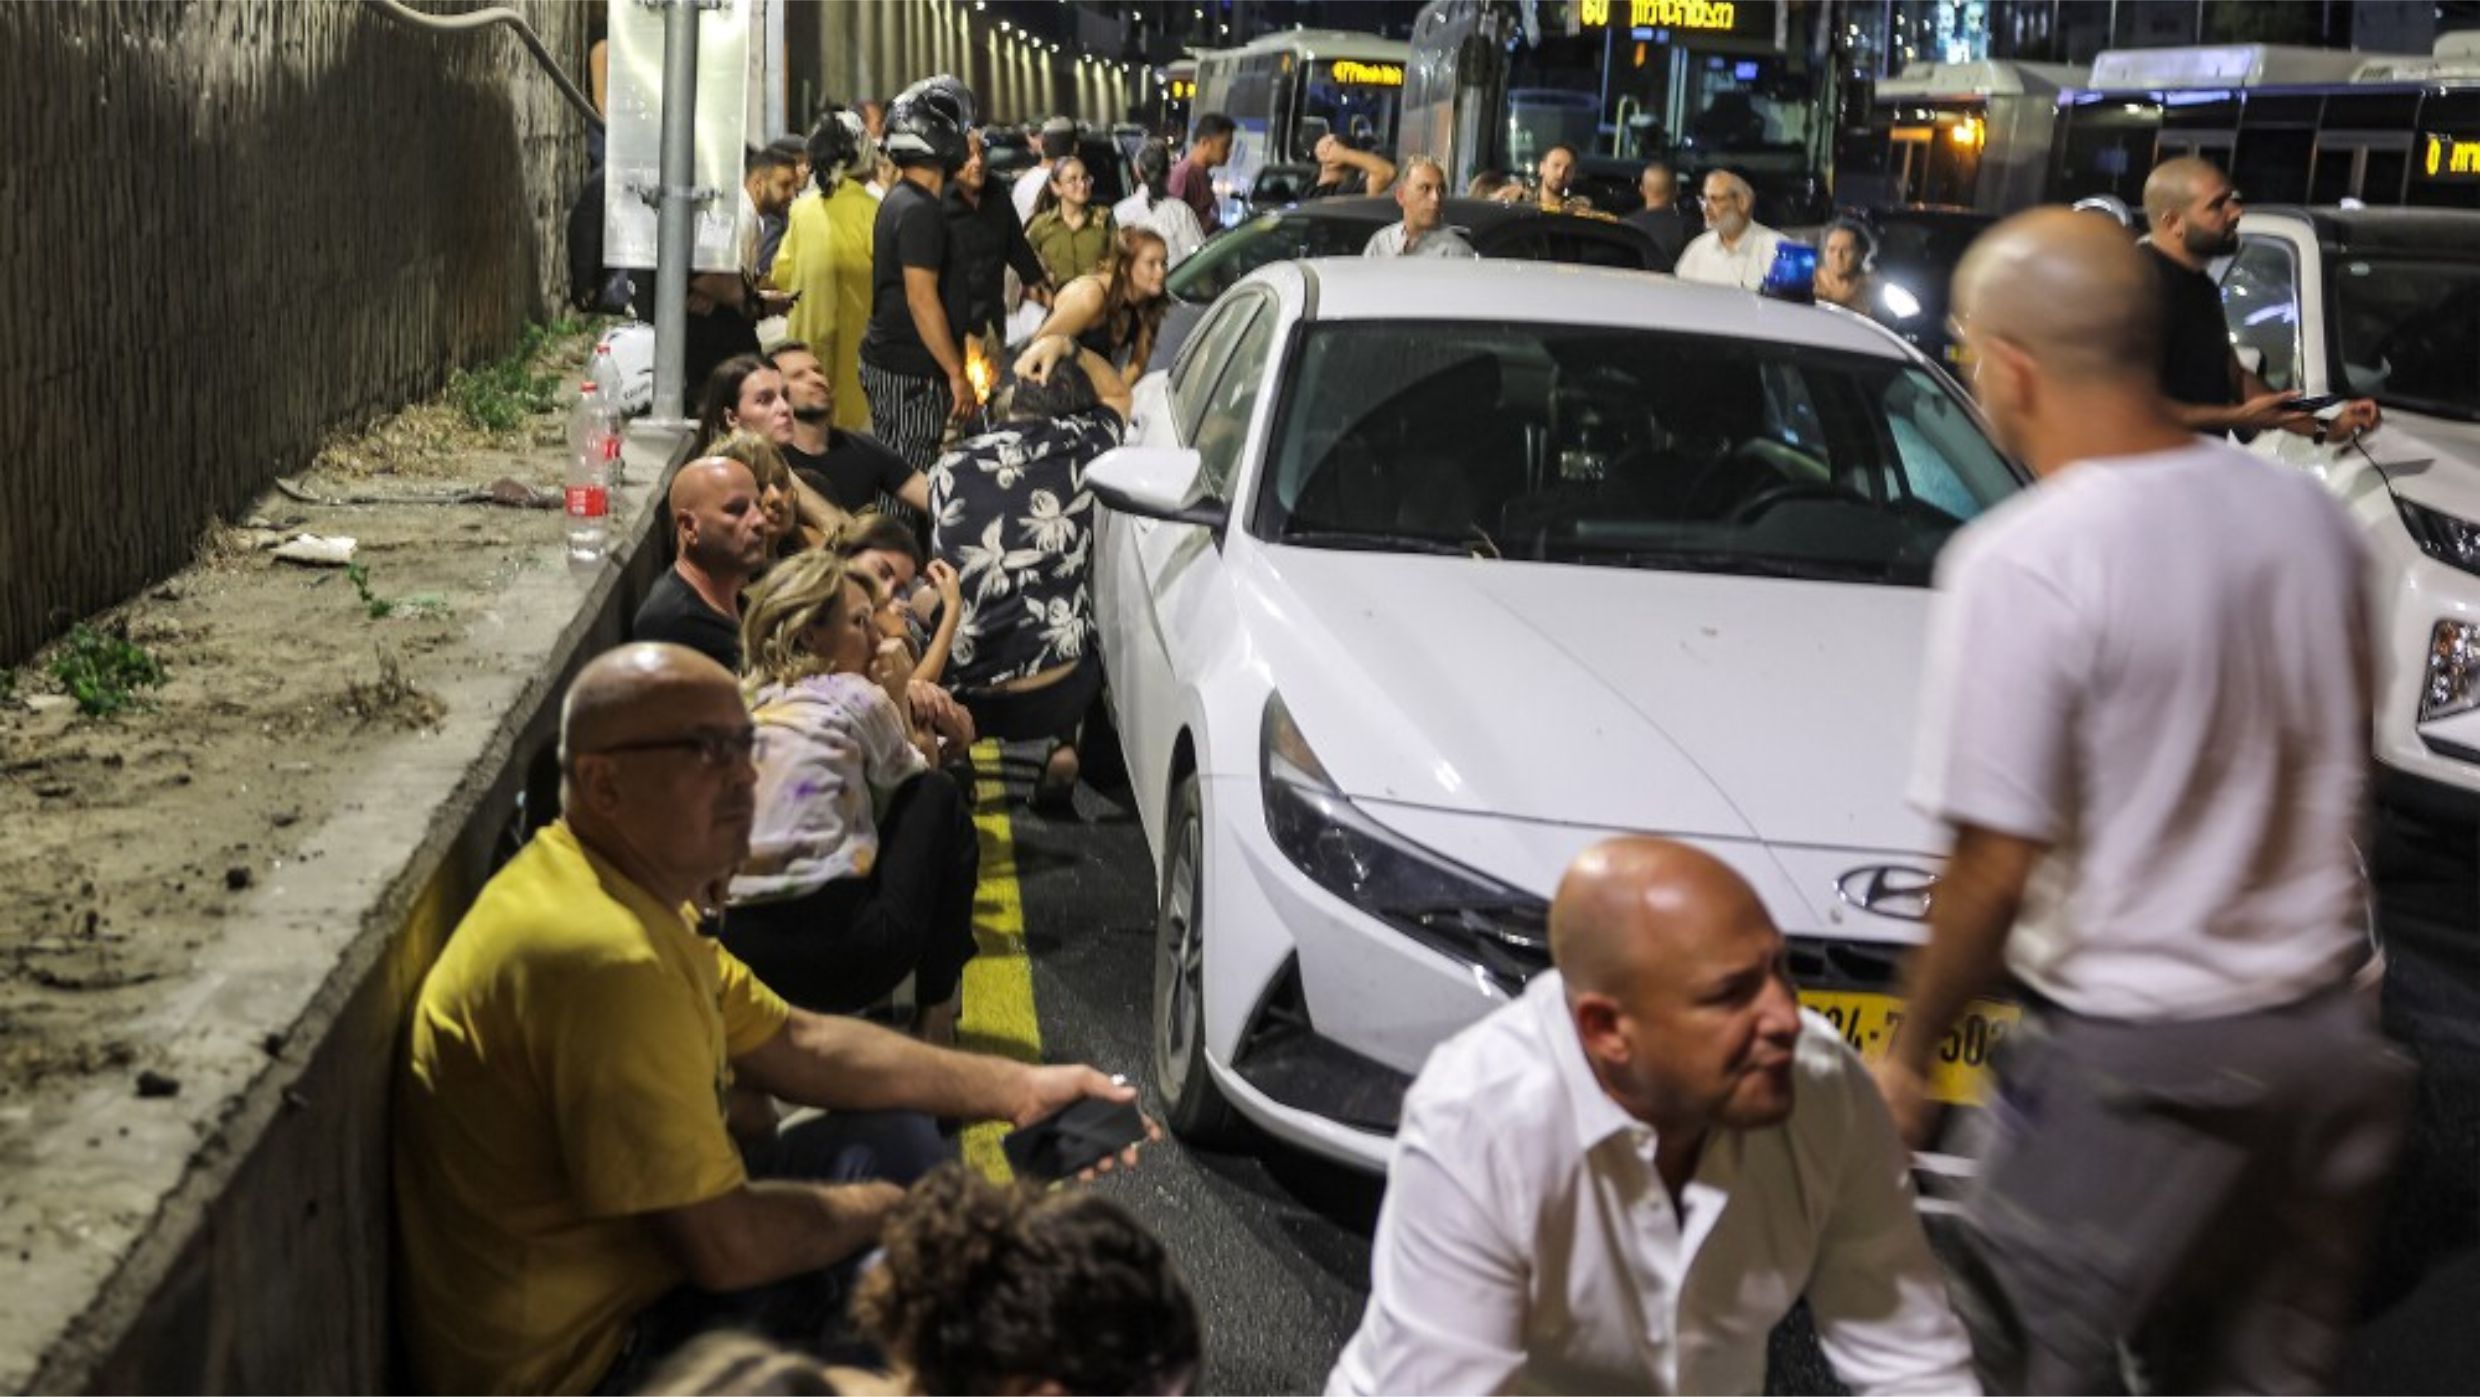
(1623, 447)
(2260, 299)
(1275, 237)
(1193, 378)
(2407, 329)
(1224, 428)
(1578, 246)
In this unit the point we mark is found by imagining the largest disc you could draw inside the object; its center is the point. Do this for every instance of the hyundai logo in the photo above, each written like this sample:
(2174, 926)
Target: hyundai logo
(1890, 890)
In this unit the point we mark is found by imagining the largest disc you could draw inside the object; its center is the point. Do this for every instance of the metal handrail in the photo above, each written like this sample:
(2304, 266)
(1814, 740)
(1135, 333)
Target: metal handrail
(483, 19)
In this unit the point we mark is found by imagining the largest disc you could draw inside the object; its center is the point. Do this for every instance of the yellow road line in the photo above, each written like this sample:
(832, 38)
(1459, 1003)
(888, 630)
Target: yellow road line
(998, 983)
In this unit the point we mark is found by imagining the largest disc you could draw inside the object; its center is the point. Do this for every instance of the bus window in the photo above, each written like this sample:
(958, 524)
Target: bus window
(2272, 165)
(1360, 112)
(1746, 105)
(2108, 149)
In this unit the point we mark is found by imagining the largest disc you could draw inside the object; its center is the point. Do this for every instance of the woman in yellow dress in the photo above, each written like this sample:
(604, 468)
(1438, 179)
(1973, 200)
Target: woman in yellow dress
(825, 259)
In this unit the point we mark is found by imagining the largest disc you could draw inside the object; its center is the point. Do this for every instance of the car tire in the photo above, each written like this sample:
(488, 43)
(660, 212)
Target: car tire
(1193, 1105)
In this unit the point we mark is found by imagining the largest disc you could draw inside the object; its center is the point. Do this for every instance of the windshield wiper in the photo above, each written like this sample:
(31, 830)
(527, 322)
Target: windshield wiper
(1737, 564)
(1377, 543)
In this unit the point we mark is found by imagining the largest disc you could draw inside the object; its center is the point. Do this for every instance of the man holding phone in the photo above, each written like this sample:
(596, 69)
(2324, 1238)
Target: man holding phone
(2194, 215)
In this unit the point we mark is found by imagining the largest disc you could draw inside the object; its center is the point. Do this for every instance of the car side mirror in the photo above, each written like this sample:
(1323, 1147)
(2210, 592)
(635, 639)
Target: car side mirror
(1155, 482)
(2251, 358)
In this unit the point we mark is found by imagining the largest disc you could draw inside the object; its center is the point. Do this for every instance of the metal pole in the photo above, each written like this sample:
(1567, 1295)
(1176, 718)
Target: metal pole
(676, 221)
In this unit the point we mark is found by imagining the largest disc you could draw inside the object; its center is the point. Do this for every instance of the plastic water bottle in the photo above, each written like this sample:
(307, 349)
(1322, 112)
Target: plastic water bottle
(594, 445)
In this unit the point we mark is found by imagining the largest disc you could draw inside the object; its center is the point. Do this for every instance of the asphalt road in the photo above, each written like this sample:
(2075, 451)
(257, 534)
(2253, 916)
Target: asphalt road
(1276, 1246)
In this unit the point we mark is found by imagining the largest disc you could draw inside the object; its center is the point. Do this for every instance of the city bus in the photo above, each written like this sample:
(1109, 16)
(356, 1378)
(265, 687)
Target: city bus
(1493, 84)
(1287, 90)
(2291, 125)
(1956, 135)
(1175, 87)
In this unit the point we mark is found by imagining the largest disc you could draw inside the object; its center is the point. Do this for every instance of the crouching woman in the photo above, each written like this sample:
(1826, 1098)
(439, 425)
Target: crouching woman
(862, 859)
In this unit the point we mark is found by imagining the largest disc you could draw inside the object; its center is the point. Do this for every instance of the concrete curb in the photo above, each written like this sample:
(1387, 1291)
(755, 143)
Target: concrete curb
(244, 1235)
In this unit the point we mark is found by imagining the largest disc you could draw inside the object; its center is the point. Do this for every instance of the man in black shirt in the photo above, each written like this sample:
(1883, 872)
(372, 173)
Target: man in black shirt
(2194, 215)
(1661, 217)
(985, 239)
(1344, 170)
(851, 469)
(721, 533)
(911, 364)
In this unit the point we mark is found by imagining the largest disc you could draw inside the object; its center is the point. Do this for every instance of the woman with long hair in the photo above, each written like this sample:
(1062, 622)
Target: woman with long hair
(1152, 206)
(1068, 233)
(798, 518)
(890, 553)
(1117, 312)
(744, 393)
(862, 858)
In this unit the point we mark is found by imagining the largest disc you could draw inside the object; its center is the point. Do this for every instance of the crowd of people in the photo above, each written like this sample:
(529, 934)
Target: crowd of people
(759, 893)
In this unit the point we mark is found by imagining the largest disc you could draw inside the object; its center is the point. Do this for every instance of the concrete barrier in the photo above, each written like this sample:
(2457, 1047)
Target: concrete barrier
(246, 1240)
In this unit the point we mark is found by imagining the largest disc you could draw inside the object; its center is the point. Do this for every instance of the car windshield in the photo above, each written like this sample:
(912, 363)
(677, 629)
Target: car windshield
(1626, 448)
(2408, 331)
(1273, 237)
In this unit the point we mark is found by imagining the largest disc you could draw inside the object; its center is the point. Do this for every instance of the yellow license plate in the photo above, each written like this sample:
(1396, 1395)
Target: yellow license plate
(1959, 1069)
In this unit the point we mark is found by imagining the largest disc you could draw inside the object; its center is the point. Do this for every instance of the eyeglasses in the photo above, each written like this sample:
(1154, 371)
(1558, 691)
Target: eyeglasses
(1716, 198)
(715, 750)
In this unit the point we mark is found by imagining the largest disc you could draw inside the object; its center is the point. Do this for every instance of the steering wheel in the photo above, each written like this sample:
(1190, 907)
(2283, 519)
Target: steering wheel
(1758, 505)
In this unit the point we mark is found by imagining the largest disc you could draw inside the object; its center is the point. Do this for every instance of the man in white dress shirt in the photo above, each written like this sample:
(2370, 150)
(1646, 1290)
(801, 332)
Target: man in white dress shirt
(1622, 1181)
(1734, 249)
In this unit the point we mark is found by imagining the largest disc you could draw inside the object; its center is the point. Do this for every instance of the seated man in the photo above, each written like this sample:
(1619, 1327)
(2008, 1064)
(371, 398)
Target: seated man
(720, 533)
(1009, 512)
(563, 1162)
(1622, 1181)
(851, 469)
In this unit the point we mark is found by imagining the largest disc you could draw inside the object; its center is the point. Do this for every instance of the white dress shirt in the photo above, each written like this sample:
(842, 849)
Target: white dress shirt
(1744, 266)
(1441, 241)
(1526, 1243)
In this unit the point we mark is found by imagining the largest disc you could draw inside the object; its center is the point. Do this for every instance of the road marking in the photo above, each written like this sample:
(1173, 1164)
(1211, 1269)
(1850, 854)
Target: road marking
(999, 1015)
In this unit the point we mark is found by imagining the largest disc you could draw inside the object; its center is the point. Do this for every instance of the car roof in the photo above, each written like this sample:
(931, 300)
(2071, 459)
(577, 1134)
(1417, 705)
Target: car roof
(2447, 231)
(1379, 209)
(1436, 288)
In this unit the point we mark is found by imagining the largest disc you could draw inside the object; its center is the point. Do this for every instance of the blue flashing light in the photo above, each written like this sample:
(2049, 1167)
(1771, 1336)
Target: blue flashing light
(1793, 277)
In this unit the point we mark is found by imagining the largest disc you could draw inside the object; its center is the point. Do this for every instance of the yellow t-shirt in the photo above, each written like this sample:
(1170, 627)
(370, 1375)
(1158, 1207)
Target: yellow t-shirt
(567, 1071)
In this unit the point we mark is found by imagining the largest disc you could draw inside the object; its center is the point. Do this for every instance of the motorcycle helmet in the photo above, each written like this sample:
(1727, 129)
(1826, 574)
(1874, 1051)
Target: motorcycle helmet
(838, 146)
(926, 124)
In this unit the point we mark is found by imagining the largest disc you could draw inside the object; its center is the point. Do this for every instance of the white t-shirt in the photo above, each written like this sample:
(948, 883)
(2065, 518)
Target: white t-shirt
(1527, 1243)
(1027, 190)
(1706, 259)
(2160, 666)
(1173, 221)
(1437, 242)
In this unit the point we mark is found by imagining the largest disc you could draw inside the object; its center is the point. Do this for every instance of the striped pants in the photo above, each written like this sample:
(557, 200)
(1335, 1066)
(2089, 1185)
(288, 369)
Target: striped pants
(907, 414)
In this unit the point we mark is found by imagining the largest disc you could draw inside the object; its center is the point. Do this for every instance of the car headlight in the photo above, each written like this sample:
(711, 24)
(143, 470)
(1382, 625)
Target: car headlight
(2451, 541)
(2453, 671)
(1503, 933)
(1899, 302)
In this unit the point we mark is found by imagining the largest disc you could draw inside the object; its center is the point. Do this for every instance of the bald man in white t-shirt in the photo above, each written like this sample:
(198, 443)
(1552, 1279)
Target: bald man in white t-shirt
(2146, 718)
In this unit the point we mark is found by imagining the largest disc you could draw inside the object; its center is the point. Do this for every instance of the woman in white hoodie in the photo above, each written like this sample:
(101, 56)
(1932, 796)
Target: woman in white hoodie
(863, 859)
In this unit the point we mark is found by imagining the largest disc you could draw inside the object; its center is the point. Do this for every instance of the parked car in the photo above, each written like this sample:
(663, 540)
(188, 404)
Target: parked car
(1918, 249)
(1343, 227)
(1416, 578)
(2385, 304)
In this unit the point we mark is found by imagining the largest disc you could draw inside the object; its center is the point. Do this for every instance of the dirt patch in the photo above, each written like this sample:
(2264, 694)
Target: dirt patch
(132, 838)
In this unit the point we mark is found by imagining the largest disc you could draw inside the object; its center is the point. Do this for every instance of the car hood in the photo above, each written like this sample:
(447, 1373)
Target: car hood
(1720, 706)
(2430, 460)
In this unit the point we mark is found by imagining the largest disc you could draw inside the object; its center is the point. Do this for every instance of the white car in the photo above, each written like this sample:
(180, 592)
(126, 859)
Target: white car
(2385, 304)
(1415, 578)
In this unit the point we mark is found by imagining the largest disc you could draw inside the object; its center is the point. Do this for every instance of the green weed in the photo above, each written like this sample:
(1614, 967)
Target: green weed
(498, 396)
(104, 671)
(378, 606)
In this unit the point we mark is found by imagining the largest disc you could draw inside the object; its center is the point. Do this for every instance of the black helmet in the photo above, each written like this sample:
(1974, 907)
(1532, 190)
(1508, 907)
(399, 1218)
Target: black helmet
(926, 124)
(835, 146)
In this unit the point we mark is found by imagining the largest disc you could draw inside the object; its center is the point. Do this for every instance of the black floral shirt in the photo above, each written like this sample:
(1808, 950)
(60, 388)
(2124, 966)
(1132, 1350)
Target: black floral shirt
(1010, 513)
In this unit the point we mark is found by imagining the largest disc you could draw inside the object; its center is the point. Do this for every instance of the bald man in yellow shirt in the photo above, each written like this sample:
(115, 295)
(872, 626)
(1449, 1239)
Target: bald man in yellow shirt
(570, 1197)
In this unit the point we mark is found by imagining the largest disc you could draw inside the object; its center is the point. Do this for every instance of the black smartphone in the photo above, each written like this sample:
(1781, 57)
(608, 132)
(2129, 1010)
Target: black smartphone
(2318, 403)
(1073, 1140)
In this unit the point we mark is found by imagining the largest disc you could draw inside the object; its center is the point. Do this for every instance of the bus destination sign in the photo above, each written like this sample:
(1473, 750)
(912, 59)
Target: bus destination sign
(1661, 14)
(1353, 73)
(2452, 157)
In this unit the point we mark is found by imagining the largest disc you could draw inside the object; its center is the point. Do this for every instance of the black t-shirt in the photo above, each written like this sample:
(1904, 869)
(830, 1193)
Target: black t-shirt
(1669, 230)
(2195, 340)
(984, 240)
(911, 232)
(852, 472)
(1352, 182)
(674, 611)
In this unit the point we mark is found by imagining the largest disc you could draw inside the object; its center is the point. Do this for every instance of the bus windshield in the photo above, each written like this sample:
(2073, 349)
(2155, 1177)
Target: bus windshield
(1363, 114)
